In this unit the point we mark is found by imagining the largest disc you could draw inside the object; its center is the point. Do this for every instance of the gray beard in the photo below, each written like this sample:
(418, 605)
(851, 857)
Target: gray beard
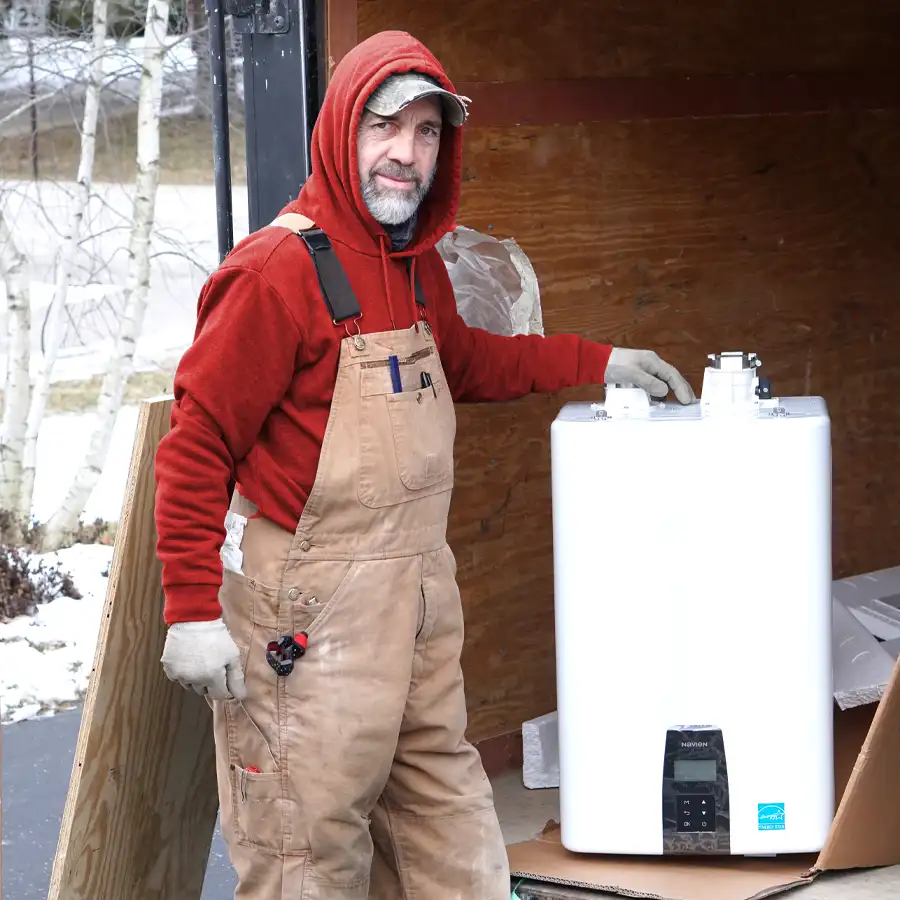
(390, 207)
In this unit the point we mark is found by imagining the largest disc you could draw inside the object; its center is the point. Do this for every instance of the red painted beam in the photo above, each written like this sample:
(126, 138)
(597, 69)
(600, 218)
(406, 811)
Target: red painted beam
(570, 102)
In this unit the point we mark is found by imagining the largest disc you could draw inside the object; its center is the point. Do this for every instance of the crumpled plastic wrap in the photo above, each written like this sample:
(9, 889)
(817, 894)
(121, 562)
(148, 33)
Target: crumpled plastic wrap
(495, 285)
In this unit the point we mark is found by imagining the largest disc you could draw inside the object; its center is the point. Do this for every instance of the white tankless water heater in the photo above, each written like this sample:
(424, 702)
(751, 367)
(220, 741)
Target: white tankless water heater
(692, 556)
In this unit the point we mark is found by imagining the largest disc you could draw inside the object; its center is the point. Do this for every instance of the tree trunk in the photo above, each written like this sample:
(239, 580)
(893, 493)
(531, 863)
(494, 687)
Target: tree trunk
(65, 521)
(17, 384)
(67, 257)
(199, 29)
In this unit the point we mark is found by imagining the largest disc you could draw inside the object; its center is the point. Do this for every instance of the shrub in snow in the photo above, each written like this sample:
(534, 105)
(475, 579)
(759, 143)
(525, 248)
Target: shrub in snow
(26, 582)
(30, 533)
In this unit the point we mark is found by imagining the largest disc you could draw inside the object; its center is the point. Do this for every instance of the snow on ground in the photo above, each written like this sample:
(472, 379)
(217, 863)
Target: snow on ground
(46, 660)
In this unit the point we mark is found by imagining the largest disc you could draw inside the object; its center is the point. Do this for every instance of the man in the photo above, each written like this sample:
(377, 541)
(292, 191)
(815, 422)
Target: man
(344, 772)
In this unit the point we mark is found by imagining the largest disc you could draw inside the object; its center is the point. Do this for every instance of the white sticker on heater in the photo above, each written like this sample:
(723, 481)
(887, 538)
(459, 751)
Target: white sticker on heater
(770, 816)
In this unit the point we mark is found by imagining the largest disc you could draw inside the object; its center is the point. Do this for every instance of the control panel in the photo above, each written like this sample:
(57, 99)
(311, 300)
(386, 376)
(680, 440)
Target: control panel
(695, 808)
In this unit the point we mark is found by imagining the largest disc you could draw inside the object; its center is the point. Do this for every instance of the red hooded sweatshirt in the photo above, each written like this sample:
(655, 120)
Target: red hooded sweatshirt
(253, 391)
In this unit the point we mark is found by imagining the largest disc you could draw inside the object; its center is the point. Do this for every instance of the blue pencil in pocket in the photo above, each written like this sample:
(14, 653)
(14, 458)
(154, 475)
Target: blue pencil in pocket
(395, 374)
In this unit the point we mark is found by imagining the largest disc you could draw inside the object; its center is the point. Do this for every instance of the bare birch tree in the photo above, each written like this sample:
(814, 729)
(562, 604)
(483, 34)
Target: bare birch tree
(65, 520)
(67, 257)
(17, 383)
(199, 31)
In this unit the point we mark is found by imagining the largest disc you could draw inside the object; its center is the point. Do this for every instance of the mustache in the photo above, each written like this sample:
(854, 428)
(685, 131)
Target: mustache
(402, 173)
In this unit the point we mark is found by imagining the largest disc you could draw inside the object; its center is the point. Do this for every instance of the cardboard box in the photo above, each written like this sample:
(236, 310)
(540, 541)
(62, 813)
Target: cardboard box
(865, 831)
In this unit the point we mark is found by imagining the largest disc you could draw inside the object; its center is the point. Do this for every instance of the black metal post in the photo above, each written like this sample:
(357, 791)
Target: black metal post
(218, 69)
(281, 98)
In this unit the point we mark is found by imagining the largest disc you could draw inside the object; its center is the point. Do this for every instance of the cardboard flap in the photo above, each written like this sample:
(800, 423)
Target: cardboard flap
(711, 878)
(866, 829)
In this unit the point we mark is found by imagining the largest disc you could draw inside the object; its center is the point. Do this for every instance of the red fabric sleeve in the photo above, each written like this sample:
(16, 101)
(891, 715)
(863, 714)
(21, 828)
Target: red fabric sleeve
(483, 367)
(240, 364)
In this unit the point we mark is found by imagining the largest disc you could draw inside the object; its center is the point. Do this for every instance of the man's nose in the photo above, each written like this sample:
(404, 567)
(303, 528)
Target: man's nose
(403, 147)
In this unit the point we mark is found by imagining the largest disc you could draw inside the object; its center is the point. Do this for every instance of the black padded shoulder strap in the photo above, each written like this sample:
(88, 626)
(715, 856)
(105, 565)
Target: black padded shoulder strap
(420, 294)
(339, 297)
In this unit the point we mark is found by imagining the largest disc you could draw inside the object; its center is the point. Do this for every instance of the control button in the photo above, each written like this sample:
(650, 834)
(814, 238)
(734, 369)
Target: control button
(694, 809)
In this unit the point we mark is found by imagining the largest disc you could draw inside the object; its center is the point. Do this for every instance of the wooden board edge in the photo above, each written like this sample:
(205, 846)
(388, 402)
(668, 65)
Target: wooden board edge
(154, 414)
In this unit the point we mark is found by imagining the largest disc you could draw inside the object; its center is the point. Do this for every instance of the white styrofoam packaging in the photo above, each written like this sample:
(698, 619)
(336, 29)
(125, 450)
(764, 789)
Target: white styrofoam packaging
(540, 752)
(692, 566)
(874, 599)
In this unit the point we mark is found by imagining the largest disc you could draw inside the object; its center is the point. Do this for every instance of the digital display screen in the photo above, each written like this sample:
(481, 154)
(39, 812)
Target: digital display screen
(695, 770)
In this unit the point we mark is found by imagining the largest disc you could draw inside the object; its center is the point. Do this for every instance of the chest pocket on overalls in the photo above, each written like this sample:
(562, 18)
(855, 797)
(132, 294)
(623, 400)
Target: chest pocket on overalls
(407, 436)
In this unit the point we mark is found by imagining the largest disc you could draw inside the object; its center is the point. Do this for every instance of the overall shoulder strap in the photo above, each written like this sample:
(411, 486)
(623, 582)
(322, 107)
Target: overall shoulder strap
(420, 294)
(339, 297)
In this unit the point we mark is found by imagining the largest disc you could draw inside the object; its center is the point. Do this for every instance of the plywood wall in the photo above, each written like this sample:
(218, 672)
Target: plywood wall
(480, 40)
(773, 233)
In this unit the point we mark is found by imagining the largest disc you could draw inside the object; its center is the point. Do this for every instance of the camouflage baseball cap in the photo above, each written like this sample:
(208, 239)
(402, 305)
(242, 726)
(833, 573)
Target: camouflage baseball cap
(398, 91)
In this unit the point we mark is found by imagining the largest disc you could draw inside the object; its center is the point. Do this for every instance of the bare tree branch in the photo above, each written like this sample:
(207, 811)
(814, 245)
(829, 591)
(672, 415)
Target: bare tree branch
(65, 520)
(55, 316)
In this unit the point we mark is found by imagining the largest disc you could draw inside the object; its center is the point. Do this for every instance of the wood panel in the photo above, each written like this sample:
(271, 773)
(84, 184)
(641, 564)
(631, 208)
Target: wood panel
(574, 102)
(142, 803)
(481, 40)
(340, 30)
(774, 233)
(777, 235)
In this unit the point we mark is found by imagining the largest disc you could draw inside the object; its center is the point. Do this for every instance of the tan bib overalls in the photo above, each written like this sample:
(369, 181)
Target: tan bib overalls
(351, 777)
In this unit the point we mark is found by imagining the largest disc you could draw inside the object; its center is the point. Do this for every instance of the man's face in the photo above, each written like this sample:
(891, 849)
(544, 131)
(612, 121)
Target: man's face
(398, 158)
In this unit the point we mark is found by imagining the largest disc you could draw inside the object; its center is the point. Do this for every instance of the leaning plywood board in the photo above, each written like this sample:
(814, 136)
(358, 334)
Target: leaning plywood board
(142, 801)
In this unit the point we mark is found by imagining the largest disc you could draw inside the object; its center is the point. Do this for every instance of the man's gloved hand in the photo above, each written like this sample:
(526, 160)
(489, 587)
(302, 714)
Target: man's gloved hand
(646, 370)
(203, 656)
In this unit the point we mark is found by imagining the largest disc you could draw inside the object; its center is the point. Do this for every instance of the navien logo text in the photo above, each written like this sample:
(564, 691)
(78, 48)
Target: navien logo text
(694, 745)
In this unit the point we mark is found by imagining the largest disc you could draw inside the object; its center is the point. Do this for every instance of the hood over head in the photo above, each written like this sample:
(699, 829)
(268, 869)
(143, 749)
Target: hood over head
(332, 196)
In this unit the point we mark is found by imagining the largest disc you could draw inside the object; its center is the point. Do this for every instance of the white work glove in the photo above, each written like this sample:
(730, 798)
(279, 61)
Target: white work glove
(644, 369)
(203, 656)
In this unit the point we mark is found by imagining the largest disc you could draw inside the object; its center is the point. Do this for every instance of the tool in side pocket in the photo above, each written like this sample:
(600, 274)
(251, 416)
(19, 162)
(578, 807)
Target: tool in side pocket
(428, 383)
(280, 654)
